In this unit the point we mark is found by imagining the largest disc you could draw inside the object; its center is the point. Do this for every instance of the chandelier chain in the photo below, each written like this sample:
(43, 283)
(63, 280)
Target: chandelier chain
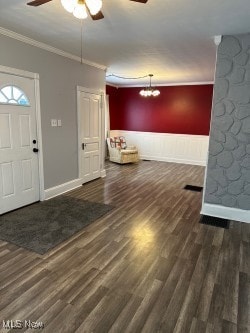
(145, 92)
(127, 78)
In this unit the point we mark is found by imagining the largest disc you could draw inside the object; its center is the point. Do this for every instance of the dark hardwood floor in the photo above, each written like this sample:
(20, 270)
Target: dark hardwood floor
(147, 266)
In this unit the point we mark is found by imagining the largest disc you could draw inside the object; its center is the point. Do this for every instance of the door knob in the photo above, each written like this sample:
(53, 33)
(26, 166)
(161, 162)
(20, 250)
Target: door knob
(35, 150)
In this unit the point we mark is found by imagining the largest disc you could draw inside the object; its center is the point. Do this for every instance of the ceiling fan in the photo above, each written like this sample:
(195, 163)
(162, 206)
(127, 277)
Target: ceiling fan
(95, 16)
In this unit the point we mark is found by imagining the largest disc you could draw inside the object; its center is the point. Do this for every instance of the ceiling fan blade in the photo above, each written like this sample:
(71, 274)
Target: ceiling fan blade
(36, 3)
(141, 1)
(97, 16)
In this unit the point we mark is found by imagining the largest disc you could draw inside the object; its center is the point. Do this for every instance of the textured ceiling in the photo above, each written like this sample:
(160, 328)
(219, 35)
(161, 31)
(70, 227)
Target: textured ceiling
(171, 39)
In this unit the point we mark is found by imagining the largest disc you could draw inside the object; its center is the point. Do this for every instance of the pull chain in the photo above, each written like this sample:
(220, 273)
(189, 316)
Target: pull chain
(81, 41)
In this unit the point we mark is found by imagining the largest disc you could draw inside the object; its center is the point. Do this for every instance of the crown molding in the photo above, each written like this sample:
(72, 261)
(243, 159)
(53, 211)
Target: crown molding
(112, 85)
(164, 84)
(49, 48)
(217, 40)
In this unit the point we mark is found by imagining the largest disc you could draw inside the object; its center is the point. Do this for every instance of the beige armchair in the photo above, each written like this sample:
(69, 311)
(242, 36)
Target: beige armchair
(120, 153)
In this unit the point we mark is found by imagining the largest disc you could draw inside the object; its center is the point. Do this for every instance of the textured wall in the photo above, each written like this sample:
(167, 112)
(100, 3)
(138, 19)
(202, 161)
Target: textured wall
(178, 109)
(228, 170)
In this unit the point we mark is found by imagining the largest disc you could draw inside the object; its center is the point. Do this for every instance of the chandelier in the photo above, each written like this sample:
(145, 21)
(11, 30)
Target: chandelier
(80, 8)
(149, 91)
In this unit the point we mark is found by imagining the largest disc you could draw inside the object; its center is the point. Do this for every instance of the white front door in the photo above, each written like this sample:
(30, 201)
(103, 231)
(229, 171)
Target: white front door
(90, 135)
(19, 171)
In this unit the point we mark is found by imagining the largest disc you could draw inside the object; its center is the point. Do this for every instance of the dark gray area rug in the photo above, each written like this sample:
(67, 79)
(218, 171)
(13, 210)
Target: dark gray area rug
(42, 226)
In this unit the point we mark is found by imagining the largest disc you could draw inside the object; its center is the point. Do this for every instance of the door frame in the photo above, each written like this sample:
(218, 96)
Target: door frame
(35, 77)
(101, 93)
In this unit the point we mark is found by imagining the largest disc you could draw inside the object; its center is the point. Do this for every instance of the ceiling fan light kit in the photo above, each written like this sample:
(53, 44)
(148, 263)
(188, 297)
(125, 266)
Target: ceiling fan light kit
(69, 5)
(150, 91)
(80, 8)
(80, 12)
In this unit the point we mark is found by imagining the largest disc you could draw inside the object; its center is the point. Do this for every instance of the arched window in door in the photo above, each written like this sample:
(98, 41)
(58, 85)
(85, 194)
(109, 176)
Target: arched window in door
(13, 95)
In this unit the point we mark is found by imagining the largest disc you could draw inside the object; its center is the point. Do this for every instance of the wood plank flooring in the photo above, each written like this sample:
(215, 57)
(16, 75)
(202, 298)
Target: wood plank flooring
(147, 266)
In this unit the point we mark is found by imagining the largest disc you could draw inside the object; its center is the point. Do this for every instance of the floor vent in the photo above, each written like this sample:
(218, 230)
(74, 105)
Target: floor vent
(214, 221)
(193, 188)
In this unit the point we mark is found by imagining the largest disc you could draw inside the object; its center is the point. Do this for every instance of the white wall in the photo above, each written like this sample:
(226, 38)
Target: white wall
(178, 148)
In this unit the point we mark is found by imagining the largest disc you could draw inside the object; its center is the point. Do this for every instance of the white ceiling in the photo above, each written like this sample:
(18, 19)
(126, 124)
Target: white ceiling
(173, 39)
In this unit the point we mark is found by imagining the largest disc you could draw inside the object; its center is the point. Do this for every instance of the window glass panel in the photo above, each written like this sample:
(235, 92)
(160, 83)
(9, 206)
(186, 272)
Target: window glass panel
(16, 93)
(7, 92)
(3, 99)
(13, 95)
(12, 101)
(23, 100)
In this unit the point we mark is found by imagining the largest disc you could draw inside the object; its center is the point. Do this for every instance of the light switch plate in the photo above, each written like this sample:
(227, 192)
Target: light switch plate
(59, 122)
(53, 122)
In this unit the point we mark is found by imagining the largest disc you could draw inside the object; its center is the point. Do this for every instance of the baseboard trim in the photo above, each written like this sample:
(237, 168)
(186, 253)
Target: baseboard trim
(229, 213)
(172, 160)
(103, 173)
(63, 188)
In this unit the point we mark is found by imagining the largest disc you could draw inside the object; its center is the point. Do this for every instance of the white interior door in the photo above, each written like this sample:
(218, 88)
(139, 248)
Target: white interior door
(19, 170)
(90, 135)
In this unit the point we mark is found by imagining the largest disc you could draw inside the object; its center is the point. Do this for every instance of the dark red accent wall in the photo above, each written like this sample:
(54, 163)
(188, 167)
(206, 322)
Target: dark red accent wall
(113, 105)
(178, 109)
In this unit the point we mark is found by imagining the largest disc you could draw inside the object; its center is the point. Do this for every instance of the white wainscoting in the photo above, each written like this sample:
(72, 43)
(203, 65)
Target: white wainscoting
(178, 148)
